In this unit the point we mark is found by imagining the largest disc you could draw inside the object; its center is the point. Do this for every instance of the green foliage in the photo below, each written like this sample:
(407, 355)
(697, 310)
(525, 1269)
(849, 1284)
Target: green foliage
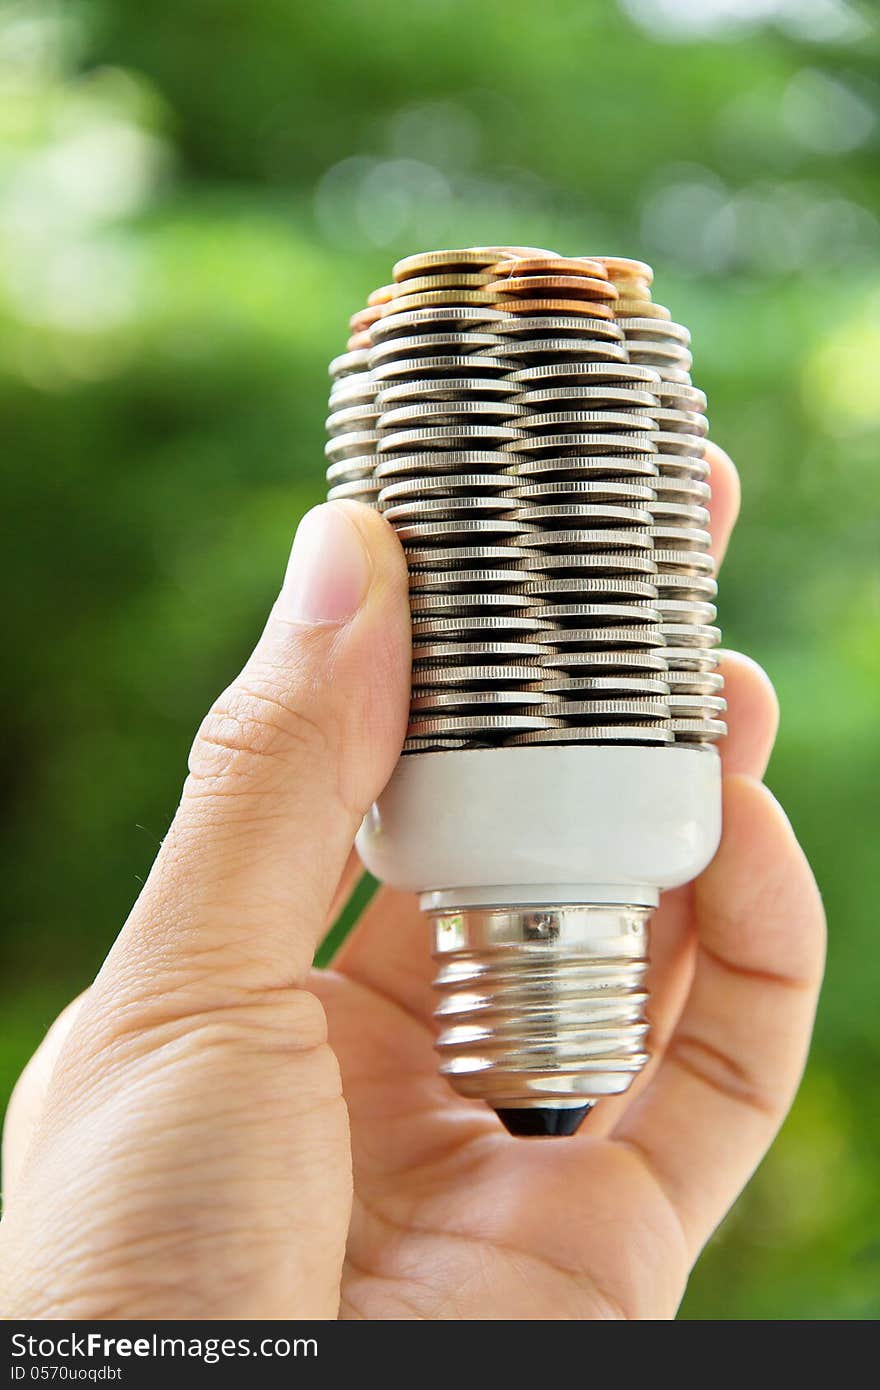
(196, 195)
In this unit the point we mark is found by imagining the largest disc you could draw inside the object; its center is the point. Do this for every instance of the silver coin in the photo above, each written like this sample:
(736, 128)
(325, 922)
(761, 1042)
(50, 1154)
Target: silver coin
(697, 562)
(479, 724)
(448, 559)
(680, 537)
(346, 470)
(587, 466)
(463, 258)
(446, 485)
(468, 603)
(348, 362)
(555, 372)
(479, 699)
(359, 490)
(611, 733)
(601, 636)
(655, 328)
(468, 366)
(691, 658)
(670, 442)
(582, 349)
(435, 461)
(694, 682)
(445, 509)
(696, 706)
(676, 610)
(435, 745)
(478, 677)
(559, 326)
(659, 354)
(464, 581)
(691, 490)
(708, 729)
(585, 562)
(452, 437)
(678, 396)
(571, 686)
(689, 585)
(680, 421)
(630, 661)
(590, 421)
(474, 625)
(618, 394)
(593, 614)
(606, 710)
(352, 417)
(683, 513)
(434, 413)
(418, 351)
(556, 589)
(691, 635)
(573, 489)
(436, 532)
(587, 512)
(408, 322)
(681, 465)
(582, 443)
(428, 654)
(444, 388)
(351, 390)
(351, 443)
(577, 539)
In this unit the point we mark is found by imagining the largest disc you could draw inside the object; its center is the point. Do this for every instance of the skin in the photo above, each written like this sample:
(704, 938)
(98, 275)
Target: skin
(215, 1130)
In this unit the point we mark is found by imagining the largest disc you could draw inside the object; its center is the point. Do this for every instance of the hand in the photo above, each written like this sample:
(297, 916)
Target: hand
(187, 1143)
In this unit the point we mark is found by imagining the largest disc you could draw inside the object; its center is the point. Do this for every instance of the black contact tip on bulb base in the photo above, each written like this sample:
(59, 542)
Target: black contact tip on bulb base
(543, 1121)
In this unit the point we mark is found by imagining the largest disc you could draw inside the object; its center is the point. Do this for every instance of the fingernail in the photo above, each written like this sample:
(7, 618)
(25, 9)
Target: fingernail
(329, 569)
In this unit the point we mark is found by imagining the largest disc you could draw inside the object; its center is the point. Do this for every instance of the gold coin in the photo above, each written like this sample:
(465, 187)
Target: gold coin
(623, 268)
(460, 280)
(627, 308)
(359, 341)
(591, 307)
(428, 298)
(427, 262)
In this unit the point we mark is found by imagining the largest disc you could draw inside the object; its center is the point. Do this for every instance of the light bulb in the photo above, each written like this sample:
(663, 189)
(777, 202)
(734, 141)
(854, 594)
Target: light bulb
(528, 425)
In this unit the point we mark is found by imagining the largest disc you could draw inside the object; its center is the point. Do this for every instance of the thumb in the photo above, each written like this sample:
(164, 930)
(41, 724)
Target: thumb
(282, 770)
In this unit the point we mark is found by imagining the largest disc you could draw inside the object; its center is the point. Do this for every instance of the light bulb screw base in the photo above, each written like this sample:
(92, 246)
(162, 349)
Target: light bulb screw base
(542, 1006)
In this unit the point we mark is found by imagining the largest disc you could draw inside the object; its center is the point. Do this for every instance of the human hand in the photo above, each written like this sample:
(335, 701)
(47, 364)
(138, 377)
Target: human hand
(187, 1143)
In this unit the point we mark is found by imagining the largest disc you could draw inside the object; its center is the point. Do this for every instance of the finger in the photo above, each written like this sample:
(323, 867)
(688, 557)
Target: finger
(281, 772)
(725, 500)
(390, 948)
(735, 1059)
(26, 1101)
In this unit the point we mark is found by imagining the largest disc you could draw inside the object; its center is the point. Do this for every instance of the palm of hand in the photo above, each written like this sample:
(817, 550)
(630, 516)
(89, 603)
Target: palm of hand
(452, 1218)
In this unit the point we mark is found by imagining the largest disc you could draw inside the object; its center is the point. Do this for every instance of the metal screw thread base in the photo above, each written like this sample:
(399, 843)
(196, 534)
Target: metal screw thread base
(541, 1006)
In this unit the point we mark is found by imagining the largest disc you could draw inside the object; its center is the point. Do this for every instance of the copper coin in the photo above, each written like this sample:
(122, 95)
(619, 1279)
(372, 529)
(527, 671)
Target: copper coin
(555, 286)
(551, 265)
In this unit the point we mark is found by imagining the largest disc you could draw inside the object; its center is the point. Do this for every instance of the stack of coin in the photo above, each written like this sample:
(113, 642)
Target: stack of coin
(682, 544)
(445, 415)
(351, 425)
(583, 461)
(539, 453)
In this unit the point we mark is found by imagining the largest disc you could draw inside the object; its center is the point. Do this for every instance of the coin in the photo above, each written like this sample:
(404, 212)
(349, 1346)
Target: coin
(428, 262)
(612, 733)
(348, 362)
(479, 724)
(624, 268)
(449, 280)
(491, 677)
(450, 389)
(559, 287)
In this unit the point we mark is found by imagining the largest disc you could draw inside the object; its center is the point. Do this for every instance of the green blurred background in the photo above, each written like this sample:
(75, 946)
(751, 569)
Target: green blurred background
(196, 194)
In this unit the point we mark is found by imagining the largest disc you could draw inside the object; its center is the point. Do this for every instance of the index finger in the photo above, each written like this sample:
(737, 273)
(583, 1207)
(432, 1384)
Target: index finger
(724, 504)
